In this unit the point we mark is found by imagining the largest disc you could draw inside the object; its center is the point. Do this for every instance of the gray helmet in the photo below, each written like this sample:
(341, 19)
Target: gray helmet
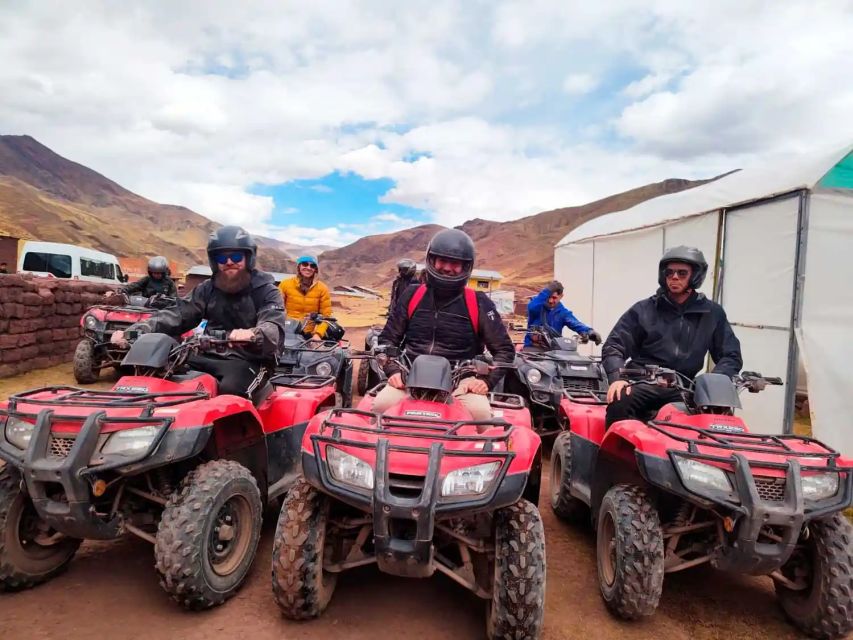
(158, 264)
(231, 238)
(688, 255)
(455, 245)
(407, 268)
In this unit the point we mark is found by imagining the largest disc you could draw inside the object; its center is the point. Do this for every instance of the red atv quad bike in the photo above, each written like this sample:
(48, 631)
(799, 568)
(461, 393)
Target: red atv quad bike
(161, 456)
(543, 376)
(94, 351)
(694, 486)
(420, 489)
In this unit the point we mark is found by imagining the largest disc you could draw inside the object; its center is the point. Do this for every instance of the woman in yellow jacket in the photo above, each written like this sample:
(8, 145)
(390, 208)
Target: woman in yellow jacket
(305, 294)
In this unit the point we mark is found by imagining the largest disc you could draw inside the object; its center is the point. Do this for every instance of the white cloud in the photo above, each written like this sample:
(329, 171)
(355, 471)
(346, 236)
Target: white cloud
(578, 84)
(192, 103)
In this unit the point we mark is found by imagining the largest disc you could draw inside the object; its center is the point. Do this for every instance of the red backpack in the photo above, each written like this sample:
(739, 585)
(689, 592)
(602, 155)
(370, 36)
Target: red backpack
(470, 302)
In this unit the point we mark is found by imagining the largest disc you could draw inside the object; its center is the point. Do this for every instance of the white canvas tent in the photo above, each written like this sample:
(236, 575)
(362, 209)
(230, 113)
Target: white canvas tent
(779, 241)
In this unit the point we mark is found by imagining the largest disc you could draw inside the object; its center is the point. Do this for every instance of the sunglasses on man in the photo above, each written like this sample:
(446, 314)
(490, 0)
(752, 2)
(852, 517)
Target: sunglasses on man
(681, 273)
(310, 265)
(234, 256)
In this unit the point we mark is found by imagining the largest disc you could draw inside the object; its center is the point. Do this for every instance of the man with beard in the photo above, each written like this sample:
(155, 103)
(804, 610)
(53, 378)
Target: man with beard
(306, 294)
(676, 328)
(239, 299)
(445, 318)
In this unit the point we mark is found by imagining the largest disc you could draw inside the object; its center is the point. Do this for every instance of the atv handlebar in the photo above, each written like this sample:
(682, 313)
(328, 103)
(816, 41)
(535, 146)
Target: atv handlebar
(213, 340)
(664, 377)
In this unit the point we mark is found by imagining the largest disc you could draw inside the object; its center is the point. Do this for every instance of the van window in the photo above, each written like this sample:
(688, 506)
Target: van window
(96, 268)
(119, 274)
(54, 263)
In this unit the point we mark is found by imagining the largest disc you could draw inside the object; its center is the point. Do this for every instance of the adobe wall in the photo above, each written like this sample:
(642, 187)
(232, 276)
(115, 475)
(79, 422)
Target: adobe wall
(40, 320)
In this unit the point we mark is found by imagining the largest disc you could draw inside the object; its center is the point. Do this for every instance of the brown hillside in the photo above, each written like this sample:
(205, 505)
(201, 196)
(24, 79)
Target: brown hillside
(47, 197)
(522, 250)
(372, 260)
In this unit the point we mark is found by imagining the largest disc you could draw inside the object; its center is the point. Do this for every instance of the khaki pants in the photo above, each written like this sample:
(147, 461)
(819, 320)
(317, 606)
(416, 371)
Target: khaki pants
(478, 406)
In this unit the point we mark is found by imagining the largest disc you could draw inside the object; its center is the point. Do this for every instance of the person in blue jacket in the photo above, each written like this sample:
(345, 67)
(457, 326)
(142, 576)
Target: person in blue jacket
(546, 307)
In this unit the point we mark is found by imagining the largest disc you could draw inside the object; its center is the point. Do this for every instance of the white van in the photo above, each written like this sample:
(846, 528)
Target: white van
(57, 260)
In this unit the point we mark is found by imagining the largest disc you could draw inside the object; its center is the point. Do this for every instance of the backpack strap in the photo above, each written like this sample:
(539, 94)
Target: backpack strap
(473, 309)
(415, 300)
(470, 303)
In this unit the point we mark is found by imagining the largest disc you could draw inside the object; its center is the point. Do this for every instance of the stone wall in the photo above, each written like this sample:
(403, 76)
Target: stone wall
(40, 320)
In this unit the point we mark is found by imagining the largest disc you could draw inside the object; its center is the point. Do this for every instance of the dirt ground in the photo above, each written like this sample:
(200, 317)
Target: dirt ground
(111, 590)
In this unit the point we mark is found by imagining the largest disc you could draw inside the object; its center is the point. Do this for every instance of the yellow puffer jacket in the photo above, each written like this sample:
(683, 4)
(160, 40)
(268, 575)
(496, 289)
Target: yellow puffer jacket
(299, 305)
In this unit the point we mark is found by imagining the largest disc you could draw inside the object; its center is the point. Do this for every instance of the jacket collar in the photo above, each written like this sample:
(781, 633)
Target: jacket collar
(696, 303)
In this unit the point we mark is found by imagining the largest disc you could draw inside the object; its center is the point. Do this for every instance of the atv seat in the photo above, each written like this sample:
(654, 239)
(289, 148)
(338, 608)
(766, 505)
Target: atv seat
(186, 377)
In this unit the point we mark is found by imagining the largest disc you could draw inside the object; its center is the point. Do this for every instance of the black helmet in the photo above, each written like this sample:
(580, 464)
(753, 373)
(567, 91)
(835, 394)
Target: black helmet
(455, 245)
(689, 255)
(406, 268)
(158, 264)
(231, 238)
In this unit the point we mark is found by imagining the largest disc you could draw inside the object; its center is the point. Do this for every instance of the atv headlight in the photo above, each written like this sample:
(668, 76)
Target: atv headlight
(130, 441)
(698, 475)
(820, 486)
(349, 469)
(323, 369)
(19, 432)
(90, 322)
(534, 376)
(470, 481)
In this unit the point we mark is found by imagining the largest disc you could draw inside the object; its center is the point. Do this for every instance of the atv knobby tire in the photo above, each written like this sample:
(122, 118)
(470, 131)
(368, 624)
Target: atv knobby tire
(630, 552)
(518, 593)
(300, 586)
(199, 566)
(86, 369)
(825, 608)
(566, 506)
(361, 380)
(24, 561)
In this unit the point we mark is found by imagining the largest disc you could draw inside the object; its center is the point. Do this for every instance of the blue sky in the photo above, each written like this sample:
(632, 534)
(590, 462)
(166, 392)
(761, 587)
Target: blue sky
(341, 199)
(319, 123)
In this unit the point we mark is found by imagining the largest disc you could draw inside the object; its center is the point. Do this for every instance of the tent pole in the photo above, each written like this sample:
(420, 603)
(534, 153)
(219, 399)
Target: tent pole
(796, 309)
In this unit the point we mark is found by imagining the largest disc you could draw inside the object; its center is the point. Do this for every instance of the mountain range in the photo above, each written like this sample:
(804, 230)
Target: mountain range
(47, 197)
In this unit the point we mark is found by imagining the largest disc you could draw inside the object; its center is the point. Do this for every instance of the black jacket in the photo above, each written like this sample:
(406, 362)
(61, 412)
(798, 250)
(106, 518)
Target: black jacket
(148, 287)
(657, 331)
(445, 329)
(257, 306)
(399, 285)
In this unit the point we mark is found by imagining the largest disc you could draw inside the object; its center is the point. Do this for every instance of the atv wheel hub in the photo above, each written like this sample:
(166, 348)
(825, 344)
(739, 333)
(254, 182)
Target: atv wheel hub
(230, 536)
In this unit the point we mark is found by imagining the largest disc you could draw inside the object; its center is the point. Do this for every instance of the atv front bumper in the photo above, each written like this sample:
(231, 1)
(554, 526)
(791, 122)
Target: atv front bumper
(752, 508)
(60, 483)
(404, 511)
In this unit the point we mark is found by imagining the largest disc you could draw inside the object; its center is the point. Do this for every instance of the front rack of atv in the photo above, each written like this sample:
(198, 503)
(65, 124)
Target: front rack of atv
(585, 396)
(301, 381)
(439, 431)
(746, 443)
(68, 396)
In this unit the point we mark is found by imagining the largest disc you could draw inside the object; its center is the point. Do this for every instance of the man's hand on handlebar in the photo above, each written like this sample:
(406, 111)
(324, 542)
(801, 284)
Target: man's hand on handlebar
(594, 336)
(615, 390)
(396, 381)
(242, 335)
(473, 385)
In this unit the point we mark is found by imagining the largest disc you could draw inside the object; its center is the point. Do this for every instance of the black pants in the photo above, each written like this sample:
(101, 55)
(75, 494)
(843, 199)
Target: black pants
(642, 403)
(233, 374)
